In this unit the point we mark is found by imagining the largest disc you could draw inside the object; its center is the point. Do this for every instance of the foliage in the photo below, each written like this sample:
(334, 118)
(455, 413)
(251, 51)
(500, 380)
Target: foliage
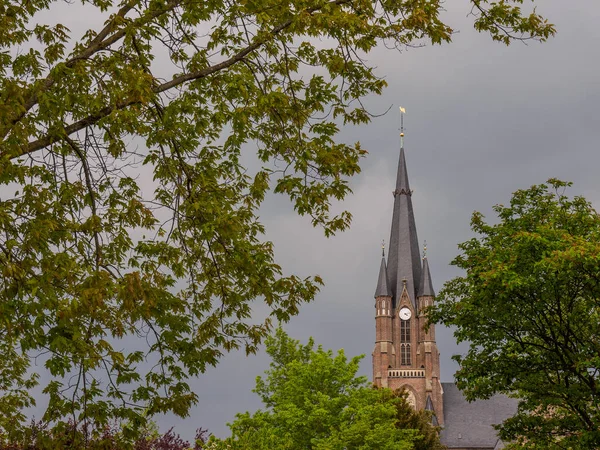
(314, 400)
(409, 419)
(37, 436)
(131, 248)
(529, 307)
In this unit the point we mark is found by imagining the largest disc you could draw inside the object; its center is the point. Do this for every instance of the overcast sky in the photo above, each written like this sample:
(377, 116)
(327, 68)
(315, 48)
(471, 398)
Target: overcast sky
(482, 120)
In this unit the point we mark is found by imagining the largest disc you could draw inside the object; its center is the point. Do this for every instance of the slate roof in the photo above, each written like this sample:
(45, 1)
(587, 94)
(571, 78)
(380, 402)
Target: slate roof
(404, 259)
(382, 282)
(426, 287)
(469, 425)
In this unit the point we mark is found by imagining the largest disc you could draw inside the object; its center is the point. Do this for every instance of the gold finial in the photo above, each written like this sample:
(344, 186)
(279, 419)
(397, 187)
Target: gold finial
(404, 282)
(383, 248)
(424, 249)
(402, 112)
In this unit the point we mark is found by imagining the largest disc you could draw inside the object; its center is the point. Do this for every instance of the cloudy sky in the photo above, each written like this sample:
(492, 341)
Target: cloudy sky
(482, 120)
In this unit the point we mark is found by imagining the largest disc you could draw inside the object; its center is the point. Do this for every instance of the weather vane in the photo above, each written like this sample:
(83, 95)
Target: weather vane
(402, 112)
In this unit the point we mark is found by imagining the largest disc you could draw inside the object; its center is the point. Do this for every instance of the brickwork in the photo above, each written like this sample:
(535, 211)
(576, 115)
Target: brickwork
(422, 376)
(384, 352)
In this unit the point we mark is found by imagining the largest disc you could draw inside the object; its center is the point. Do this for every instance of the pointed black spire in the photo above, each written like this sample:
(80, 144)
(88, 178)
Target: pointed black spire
(382, 282)
(404, 261)
(429, 407)
(429, 404)
(426, 287)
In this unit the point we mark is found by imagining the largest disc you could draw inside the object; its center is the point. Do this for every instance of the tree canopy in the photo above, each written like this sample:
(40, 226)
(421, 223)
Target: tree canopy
(38, 436)
(315, 400)
(130, 244)
(529, 306)
(420, 421)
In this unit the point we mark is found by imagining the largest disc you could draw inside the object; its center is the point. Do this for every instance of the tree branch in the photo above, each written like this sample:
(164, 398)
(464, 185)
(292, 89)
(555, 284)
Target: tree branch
(177, 81)
(100, 42)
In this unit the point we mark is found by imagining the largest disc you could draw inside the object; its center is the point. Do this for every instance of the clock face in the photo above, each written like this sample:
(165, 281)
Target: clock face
(405, 314)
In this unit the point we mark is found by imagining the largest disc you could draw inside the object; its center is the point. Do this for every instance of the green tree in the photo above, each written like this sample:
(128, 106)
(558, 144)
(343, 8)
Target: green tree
(529, 305)
(126, 211)
(314, 400)
(421, 421)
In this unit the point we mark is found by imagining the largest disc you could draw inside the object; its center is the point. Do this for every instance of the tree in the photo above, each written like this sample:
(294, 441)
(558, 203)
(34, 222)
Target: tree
(421, 421)
(37, 436)
(314, 400)
(529, 306)
(131, 247)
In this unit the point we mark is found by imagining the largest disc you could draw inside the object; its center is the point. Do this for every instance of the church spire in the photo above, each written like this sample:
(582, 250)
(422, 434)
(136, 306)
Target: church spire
(404, 261)
(405, 355)
(426, 287)
(382, 283)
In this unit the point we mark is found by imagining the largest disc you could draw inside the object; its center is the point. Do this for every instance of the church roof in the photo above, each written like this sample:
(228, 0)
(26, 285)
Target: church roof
(469, 424)
(404, 260)
(382, 282)
(426, 287)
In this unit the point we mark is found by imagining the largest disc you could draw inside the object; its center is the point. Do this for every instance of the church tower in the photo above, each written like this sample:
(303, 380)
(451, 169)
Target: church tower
(405, 355)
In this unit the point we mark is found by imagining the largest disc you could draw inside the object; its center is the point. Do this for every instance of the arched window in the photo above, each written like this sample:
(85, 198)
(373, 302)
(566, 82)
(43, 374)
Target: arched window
(405, 359)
